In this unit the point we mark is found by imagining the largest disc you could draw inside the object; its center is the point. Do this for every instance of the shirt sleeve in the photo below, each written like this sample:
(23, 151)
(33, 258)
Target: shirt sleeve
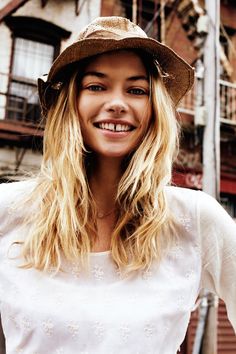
(217, 232)
(13, 207)
(5, 222)
(2, 340)
(6, 201)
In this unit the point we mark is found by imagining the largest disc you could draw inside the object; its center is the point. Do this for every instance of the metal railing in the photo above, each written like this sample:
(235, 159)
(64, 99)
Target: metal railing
(227, 101)
(18, 99)
(187, 104)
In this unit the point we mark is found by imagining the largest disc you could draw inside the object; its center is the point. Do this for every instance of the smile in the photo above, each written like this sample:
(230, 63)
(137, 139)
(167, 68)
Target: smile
(114, 127)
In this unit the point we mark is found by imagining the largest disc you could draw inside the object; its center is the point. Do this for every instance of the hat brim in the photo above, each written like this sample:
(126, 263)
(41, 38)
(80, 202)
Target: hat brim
(180, 73)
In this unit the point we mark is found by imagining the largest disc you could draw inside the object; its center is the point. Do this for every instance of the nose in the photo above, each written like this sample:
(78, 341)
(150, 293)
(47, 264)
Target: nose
(116, 105)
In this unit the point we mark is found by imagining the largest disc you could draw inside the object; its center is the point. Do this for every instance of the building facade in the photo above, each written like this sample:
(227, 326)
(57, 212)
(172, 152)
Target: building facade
(32, 34)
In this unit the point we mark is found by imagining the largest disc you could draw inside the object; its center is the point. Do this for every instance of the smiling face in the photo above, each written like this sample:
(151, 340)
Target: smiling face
(113, 103)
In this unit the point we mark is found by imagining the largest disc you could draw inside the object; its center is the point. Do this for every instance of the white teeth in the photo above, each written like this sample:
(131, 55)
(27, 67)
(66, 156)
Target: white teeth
(122, 128)
(118, 127)
(114, 127)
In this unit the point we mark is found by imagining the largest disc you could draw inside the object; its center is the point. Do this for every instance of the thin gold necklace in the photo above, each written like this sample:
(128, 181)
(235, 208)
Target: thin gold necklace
(101, 215)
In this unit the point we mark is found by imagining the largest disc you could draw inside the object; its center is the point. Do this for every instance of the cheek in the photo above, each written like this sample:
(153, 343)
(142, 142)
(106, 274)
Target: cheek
(88, 107)
(81, 106)
(84, 112)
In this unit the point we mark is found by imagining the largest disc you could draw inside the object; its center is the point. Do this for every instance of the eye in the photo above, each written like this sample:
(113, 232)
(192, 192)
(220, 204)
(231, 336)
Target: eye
(138, 91)
(95, 88)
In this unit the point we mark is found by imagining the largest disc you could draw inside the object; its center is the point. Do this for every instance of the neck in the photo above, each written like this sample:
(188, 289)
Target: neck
(104, 182)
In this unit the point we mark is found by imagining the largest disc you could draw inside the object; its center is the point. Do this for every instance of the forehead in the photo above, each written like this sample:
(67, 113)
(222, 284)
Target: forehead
(119, 59)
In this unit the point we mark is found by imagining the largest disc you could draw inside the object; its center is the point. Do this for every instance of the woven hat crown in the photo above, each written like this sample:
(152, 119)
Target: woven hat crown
(111, 28)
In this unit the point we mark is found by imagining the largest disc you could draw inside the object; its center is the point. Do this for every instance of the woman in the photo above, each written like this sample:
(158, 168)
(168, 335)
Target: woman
(105, 257)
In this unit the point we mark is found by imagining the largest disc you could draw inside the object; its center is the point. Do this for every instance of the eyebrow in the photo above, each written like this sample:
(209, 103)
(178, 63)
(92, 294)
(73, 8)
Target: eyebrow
(102, 75)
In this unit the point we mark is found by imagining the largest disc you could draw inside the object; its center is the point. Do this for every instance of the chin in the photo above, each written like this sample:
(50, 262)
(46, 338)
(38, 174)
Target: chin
(114, 154)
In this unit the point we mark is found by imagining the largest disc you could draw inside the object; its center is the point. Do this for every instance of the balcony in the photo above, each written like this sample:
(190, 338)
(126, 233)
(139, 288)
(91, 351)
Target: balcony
(19, 110)
(227, 101)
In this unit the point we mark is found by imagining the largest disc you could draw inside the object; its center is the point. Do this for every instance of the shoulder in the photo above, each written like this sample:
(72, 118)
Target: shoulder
(12, 198)
(182, 209)
(14, 191)
(201, 215)
(181, 199)
(212, 216)
(205, 207)
(179, 192)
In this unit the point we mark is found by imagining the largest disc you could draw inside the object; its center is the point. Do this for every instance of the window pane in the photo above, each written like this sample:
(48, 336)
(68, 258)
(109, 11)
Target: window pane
(31, 59)
(24, 90)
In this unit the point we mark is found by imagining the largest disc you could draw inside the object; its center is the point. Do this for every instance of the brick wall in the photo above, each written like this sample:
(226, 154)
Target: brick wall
(228, 14)
(111, 8)
(176, 38)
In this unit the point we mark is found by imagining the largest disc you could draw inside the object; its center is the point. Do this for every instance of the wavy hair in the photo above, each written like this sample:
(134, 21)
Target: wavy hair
(64, 222)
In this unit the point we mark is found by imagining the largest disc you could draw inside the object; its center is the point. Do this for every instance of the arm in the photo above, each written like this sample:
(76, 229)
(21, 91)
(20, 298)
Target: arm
(2, 340)
(217, 232)
(7, 198)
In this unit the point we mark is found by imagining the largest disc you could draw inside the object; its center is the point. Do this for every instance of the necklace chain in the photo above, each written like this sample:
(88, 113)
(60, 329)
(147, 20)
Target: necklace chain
(101, 215)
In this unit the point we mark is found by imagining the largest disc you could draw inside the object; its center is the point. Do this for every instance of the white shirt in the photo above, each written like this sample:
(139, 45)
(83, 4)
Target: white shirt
(100, 312)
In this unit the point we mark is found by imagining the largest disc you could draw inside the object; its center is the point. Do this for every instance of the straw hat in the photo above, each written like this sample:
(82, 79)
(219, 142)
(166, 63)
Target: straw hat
(112, 33)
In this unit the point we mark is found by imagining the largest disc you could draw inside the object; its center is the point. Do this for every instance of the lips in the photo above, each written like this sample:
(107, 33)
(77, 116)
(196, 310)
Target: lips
(115, 127)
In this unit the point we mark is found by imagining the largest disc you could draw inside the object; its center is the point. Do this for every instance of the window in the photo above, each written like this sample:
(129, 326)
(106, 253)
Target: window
(31, 59)
(35, 45)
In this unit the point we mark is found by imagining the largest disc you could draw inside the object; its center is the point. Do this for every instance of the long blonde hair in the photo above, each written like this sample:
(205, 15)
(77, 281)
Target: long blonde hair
(65, 220)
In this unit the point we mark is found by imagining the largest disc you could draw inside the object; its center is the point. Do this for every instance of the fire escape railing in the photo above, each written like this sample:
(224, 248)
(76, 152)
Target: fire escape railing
(227, 102)
(18, 100)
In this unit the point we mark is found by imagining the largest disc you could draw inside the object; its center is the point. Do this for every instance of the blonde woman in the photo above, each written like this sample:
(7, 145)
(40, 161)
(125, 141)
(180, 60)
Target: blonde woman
(98, 253)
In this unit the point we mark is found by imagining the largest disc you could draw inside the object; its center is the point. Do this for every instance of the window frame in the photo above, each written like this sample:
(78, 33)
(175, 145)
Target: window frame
(34, 29)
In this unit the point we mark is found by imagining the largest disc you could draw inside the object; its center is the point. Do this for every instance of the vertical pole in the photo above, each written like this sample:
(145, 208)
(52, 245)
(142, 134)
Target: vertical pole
(211, 138)
(162, 21)
(134, 11)
(155, 27)
(140, 9)
(211, 146)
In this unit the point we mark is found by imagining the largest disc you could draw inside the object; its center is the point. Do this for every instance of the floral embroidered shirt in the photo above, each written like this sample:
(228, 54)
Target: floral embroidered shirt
(100, 311)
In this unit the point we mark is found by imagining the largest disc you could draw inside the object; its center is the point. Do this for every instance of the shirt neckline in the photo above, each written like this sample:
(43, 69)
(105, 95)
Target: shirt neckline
(104, 253)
